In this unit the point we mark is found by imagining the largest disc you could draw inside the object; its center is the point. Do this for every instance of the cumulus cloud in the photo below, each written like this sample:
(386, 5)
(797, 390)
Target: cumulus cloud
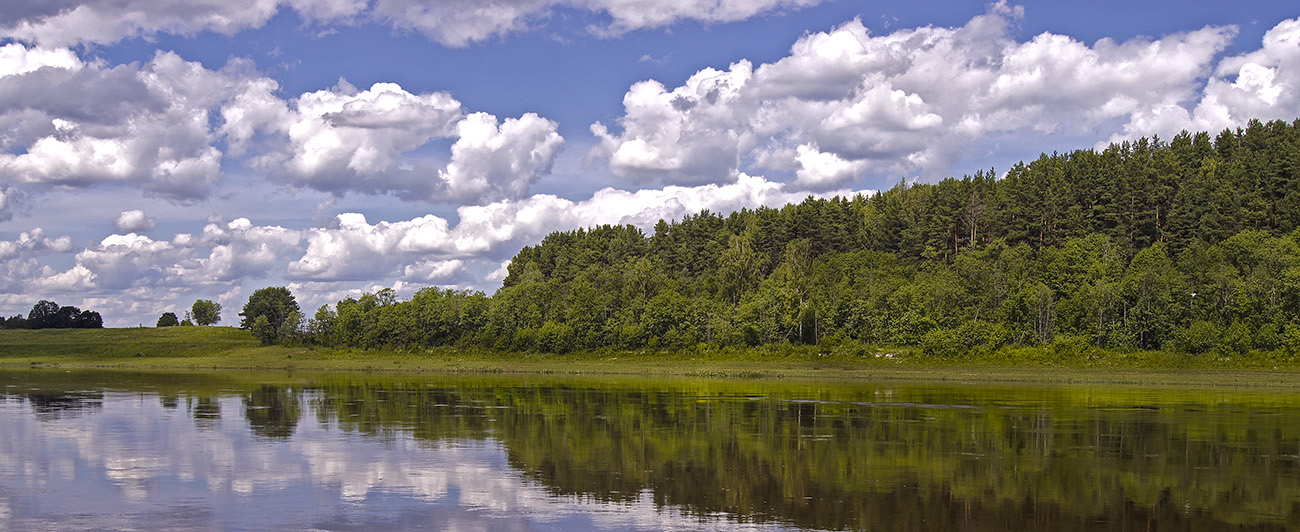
(64, 122)
(226, 252)
(237, 250)
(162, 126)
(1263, 84)
(430, 248)
(130, 276)
(347, 140)
(134, 221)
(450, 22)
(68, 22)
(847, 104)
(464, 22)
(495, 161)
(692, 133)
(33, 241)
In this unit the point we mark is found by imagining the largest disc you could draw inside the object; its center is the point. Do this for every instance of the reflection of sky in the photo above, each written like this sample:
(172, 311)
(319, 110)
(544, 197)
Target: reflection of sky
(133, 464)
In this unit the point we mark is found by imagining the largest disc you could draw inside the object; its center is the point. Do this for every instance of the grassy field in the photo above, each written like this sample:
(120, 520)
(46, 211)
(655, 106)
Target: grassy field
(209, 348)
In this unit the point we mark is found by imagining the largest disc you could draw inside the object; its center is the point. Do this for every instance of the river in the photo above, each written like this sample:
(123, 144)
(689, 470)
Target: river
(119, 450)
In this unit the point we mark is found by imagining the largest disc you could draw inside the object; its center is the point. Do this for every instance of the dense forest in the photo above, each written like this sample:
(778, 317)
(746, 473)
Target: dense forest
(1187, 245)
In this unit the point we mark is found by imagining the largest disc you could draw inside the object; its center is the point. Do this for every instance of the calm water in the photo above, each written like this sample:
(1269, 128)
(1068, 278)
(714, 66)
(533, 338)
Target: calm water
(126, 451)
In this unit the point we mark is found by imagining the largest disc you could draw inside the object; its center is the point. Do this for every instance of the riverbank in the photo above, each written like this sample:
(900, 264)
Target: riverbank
(227, 348)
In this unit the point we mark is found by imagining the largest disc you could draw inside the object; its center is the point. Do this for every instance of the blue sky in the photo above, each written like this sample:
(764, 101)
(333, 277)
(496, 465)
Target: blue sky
(155, 152)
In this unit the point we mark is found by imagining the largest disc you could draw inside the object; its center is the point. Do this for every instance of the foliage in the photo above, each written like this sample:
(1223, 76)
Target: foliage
(168, 319)
(263, 331)
(206, 312)
(47, 314)
(1189, 245)
(280, 310)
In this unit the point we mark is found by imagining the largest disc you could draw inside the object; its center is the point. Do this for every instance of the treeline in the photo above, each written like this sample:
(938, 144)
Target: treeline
(47, 314)
(1187, 245)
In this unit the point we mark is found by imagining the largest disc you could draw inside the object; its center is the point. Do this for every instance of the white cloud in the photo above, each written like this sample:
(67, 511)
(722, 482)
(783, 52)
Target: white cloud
(430, 249)
(160, 126)
(344, 139)
(131, 277)
(239, 250)
(819, 170)
(376, 141)
(450, 22)
(67, 123)
(18, 59)
(464, 22)
(33, 241)
(224, 255)
(491, 161)
(68, 22)
(432, 270)
(1263, 84)
(134, 221)
(689, 135)
(123, 261)
(461, 22)
(630, 15)
(912, 102)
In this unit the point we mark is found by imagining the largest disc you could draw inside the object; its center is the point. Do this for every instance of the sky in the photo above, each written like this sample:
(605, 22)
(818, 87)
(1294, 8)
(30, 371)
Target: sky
(155, 152)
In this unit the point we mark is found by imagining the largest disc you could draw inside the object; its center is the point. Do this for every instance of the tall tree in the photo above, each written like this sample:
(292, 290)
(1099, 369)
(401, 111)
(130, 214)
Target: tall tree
(275, 303)
(206, 312)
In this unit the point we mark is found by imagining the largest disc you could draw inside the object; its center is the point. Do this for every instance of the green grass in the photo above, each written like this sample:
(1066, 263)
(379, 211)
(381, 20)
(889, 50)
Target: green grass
(193, 348)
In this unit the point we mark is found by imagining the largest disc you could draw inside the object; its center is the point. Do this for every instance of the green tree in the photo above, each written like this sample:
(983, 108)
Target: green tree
(263, 331)
(1152, 286)
(276, 304)
(44, 315)
(168, 319)
(206, 312)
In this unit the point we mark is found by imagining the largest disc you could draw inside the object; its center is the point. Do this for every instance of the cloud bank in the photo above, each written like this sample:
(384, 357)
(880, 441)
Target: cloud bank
(128, 271)
(449, 22)
(170, 126)
(846, 104)
(844, 109)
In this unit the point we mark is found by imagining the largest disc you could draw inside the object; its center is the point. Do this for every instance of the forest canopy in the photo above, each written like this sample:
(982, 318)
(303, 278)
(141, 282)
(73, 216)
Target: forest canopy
(46, 314)
(1189, 244)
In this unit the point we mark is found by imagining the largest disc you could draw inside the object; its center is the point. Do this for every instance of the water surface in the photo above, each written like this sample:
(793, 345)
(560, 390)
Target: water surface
(136, 451)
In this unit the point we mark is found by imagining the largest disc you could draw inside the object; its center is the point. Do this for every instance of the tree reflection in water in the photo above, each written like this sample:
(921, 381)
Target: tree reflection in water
(829, 457)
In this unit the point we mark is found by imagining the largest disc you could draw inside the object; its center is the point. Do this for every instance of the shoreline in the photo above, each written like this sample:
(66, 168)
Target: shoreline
(202, 349)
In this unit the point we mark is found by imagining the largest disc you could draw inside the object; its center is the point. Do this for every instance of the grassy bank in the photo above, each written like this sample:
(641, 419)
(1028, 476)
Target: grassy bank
(207, 348)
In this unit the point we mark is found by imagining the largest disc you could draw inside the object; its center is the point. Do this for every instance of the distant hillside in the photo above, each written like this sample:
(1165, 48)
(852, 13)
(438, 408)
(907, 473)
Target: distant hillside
(1188, 245)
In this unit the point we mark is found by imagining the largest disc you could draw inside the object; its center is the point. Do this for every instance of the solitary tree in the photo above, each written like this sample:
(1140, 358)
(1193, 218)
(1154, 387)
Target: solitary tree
(274, 303)
(168, 319)
(206, 312)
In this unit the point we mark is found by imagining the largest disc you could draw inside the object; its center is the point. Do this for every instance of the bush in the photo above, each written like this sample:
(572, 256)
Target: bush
(1267, 338)
(1199, 337)
(555, 337)
(963, 341)
(1070, 346)
(1291, 339)
(946, 343)
(1236, 340)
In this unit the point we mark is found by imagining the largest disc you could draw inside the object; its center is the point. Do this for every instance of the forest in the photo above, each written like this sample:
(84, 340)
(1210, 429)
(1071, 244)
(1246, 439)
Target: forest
(1186, 245)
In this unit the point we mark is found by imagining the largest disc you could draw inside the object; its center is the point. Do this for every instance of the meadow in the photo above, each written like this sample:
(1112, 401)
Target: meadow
(228, 348)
